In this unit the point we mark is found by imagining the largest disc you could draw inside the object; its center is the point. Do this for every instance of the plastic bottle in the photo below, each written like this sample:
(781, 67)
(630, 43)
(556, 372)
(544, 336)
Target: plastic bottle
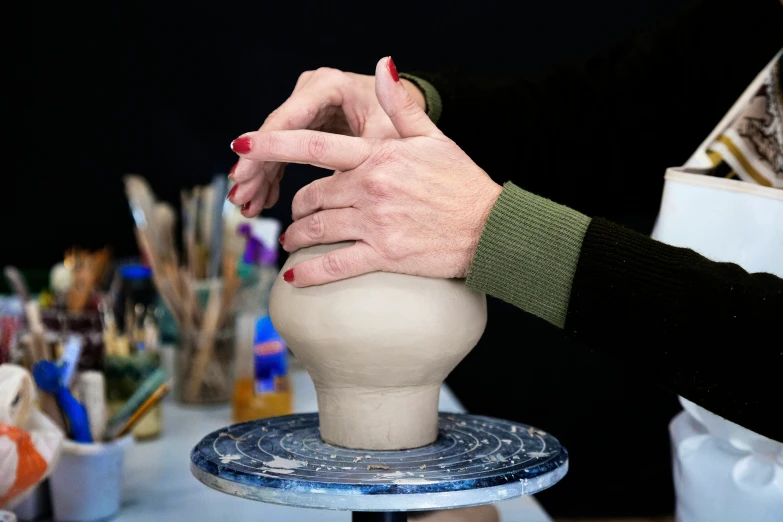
(261, 386)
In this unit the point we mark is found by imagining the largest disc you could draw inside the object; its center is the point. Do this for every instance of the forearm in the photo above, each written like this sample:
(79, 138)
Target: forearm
(666, 312)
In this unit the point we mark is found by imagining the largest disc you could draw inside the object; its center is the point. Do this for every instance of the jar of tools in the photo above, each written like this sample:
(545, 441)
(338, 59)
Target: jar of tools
(204, 363)
(132, 341)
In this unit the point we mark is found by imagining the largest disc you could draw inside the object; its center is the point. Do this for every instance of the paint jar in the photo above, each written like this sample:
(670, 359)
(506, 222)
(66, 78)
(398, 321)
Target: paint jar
(86, 485)
(124, 374)
(204, 367)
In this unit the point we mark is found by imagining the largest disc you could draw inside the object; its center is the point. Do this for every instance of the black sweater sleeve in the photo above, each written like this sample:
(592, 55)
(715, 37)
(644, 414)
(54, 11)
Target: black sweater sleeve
(707, 331)
(597, 135)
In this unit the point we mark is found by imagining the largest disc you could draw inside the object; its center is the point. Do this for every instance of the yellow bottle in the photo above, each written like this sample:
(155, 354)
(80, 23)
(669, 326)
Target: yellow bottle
(249, 405)
(262, 388)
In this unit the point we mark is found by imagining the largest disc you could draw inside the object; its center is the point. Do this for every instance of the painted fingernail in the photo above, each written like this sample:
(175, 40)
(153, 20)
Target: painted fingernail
(288, 276)
(393, 70)
(232, 192)
(241, 145)
(233, 169)
(245, 207)
(282, 238)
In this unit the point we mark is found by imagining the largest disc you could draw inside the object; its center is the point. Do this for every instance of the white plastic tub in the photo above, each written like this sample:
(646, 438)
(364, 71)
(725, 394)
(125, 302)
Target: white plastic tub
(86, 486)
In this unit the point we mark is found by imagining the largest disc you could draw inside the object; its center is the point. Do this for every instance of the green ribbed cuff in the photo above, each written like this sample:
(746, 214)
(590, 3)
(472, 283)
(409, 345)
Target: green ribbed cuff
(527, 253)
(431, 96)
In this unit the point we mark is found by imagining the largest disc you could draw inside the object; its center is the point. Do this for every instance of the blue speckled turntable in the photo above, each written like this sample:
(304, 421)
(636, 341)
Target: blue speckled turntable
(283, 460)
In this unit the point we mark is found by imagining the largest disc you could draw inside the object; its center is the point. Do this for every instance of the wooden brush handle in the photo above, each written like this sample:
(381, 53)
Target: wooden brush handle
(205, 343)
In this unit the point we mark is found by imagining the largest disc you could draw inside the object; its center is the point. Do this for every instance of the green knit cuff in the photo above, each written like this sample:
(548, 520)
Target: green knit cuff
(431, 96)
(527, 253)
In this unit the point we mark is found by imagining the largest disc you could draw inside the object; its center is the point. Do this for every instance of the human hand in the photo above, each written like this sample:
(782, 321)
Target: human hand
(415, 205)
(328, 100)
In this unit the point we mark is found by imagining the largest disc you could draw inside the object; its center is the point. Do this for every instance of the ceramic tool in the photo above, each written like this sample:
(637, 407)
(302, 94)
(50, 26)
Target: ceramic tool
(47, 377)
(475, 460)
(148, 394)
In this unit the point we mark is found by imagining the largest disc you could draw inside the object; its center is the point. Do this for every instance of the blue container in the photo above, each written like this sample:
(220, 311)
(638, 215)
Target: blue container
(269, 356)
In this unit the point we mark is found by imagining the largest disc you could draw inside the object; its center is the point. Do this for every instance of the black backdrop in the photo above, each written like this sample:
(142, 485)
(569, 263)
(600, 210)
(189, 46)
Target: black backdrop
(96, 90)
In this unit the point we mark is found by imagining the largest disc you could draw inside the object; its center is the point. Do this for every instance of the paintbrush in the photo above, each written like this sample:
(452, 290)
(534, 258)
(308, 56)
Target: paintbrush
(142, 202)
(16, 280)
(219, 191)
(205, 342)
(166, 220)
(149, 393)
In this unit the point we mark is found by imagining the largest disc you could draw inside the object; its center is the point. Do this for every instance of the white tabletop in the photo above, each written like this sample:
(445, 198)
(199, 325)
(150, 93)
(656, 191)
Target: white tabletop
(158, 484)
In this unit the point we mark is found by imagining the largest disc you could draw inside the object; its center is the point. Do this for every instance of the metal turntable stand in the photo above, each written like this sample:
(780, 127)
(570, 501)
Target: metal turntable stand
(476, 460)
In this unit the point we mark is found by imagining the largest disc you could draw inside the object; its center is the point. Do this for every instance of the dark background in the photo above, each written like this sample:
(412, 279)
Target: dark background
(160, 89)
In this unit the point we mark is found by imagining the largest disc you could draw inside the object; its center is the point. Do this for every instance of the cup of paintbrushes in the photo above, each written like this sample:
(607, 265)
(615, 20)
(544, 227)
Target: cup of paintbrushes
(204, 366)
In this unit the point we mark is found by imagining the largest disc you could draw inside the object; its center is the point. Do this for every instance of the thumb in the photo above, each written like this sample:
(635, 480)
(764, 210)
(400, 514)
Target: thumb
(407, 116)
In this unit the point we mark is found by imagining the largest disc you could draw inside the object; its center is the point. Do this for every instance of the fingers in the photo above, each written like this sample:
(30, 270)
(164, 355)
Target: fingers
(407, 116)
(241, 193)
(330, 192)
(325, 227)
(321, 149)
(342, 263)
(273, 196)
(256, 203)
(306, 104)
(315, 91)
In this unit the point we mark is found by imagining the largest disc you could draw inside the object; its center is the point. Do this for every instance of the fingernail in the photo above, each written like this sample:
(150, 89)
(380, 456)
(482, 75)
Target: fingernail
(241, 145)
(393, 70)
(231, 172)
(245, 207)
(232, 192)
(282, 238)
(288, 276)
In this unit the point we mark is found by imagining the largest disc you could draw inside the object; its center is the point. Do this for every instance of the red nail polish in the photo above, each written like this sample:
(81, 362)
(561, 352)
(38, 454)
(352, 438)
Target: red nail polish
(282, 238)
(233, 169)
(245, 207)
(288, 276)
(241, 145)
(232, 192)
(393, 70)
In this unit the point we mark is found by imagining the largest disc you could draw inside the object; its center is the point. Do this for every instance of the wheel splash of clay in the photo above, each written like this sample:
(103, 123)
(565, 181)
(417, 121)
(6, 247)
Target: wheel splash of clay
(378, 347)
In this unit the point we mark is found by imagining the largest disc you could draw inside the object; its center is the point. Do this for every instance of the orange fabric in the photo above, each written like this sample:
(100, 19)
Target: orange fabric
(31, 466)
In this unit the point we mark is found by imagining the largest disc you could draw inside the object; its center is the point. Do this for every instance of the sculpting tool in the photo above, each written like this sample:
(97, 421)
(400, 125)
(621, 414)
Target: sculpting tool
(148, 394)
(47, 377)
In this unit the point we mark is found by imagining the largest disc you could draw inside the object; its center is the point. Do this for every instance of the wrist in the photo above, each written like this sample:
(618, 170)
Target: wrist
(416, 93)
(485, 203)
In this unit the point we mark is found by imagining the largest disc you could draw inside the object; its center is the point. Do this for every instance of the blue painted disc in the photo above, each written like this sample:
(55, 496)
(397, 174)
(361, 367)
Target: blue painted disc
(283, 460)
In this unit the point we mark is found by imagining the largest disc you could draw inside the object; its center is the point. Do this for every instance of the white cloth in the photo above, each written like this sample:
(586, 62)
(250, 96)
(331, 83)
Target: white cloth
(17, 394)
(17, 397)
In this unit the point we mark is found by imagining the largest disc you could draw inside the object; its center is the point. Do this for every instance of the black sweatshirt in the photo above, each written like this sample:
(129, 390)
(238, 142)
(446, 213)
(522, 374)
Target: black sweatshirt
(706, 331)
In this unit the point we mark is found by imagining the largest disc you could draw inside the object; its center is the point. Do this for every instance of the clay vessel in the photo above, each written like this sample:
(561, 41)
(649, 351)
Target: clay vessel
(377, 347)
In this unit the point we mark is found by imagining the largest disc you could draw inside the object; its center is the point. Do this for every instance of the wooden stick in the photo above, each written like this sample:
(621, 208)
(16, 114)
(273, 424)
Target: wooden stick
(154, 399)
(206, 342)
(231, 283)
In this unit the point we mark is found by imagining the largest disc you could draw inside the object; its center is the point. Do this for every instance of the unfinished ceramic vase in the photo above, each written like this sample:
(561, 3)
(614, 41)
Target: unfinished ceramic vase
(378, 347)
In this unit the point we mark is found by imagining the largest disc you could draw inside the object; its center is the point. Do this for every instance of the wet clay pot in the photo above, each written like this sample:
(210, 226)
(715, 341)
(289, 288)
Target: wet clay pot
(378, 347)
